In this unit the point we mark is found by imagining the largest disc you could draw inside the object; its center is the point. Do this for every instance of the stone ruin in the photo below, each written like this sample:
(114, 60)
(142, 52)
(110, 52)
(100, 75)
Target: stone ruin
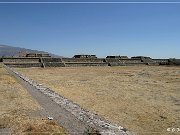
(37, 55)
(84, 56)
(116, 57)
(44, 60)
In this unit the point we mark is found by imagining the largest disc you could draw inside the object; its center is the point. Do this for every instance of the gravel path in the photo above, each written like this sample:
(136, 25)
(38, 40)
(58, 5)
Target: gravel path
(71, 116)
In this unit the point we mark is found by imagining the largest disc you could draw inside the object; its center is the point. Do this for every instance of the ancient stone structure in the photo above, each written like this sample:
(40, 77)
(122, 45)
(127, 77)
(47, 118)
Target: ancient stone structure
(85, 61)
(84, 56)
(116, 57)
(22, 62)
(140, 57)
(52, 62)
(161, 61)
(112, 57)
(174, 61)
(123, 61)
(21, 54)
(37, 55)
(89, 61)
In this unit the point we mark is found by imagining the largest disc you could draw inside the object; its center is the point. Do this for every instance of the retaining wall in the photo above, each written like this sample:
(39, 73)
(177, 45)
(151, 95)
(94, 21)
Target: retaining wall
(23, 65)
(53, 64)
(51, 59)
(78, 64)
(124, 62)
(130, 61)
(20, 60)
(174, 62)
(82, 60)
(70, 62)
(161, 61)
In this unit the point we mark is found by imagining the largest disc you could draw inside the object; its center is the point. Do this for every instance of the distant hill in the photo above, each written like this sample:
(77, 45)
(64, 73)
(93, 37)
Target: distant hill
(9, 51)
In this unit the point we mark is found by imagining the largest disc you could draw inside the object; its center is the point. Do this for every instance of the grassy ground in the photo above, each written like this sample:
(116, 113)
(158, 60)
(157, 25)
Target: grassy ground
(18, 111)
(144, 99)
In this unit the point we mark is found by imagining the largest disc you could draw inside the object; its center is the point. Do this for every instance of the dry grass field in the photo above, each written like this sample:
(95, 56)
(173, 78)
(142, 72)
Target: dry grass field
(144, 99)
(18, 110)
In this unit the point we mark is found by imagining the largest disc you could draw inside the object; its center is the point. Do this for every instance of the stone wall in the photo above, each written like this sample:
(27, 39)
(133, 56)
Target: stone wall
(82, 60)
(78, 64)
(123, 62)
(70, 62)
(130, 61)
(51, 59)
(174, 62)
(21, 60)
(161, 61)
(53, 64)
(37, 55)
(23, 65)
(112, 60)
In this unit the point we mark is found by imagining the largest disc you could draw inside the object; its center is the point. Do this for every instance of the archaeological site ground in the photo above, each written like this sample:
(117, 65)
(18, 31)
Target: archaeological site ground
(89, 95)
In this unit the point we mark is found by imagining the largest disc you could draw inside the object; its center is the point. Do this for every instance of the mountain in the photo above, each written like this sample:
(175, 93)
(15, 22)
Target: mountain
(9, 51)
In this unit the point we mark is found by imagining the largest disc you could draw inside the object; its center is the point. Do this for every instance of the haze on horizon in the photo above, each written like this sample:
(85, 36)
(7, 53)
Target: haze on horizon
(102, 29)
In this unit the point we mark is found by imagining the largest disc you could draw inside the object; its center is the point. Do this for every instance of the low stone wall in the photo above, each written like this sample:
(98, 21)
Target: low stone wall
(112, 60)
(130, 61)
(21, 60)
(23, 65)
(70, 62)
(124, 60)
(149, 61)
(53, 64)
(174, 62)
(82, 60)
(125, 64)
(51, 59)
(161, 61)
(79, 64)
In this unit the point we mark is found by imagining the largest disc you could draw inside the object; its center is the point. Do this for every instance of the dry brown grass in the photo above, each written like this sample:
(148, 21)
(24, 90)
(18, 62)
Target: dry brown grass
(17, 107)
(144, 99)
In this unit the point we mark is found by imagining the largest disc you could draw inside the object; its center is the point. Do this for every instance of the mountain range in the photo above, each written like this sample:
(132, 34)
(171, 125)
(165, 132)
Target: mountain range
(11, 51)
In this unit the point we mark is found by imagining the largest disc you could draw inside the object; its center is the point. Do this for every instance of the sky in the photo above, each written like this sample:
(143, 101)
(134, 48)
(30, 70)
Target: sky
(66, 29)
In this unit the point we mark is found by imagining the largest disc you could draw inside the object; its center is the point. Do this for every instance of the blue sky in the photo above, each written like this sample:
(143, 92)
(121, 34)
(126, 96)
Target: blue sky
(102, 29)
